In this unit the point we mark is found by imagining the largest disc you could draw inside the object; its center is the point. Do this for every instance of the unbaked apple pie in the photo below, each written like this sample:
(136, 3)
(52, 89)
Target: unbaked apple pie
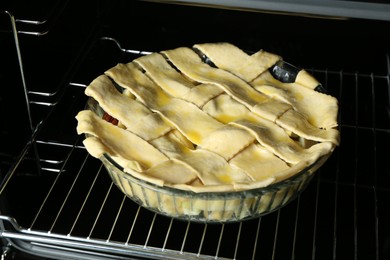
(207, 119)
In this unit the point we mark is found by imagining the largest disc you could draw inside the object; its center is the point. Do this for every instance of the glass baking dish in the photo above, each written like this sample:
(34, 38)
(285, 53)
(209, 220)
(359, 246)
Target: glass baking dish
(215, 206)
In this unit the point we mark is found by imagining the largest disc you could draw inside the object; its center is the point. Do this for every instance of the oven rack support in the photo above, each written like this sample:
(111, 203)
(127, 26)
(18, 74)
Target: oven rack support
(38, 27)
(21, 69)
(26, 98)
(54, 245)
(26, 90)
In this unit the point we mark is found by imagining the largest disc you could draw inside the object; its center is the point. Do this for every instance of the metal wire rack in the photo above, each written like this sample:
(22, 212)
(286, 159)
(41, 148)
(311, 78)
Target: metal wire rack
(56, 201)
(70, 205)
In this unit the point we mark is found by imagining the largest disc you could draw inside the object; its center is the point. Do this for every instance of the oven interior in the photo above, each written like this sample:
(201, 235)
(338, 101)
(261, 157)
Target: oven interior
(58, 202)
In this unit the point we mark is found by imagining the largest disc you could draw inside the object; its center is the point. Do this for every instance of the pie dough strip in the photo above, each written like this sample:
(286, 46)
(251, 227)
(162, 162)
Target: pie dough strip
(173, 82)
(96, 148)
(189, 63)
(130, 77)
(259, 162)
(140, 121)
(320, 109)
(164, 75)
(193, 122)
(226, 109)
(278, 142)
(297, 123)
(172, 172)
(202, 93)
(171, 109)
(227, 141)
(188, 119)
(124, 143)
(210, 167)
(213, 169)
(228, 57)
(247, 159)
(307, 80)
(199, 189)
(267, 133)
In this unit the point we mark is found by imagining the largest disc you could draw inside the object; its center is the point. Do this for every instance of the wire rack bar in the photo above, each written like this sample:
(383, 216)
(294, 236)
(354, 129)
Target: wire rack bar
(21, 69)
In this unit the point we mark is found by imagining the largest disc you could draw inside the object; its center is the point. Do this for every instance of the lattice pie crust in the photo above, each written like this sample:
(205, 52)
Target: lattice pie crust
(227, 126)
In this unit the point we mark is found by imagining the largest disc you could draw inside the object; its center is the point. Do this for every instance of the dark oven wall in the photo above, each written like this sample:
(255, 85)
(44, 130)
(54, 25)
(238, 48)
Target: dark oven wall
(47, 174)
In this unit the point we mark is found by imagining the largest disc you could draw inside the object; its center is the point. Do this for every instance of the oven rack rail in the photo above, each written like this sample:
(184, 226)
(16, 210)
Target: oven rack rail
(85, 248)
(49, 241)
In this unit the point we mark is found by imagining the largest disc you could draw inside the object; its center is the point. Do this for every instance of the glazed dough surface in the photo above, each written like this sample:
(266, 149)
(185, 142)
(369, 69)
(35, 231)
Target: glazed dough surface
(197, 126)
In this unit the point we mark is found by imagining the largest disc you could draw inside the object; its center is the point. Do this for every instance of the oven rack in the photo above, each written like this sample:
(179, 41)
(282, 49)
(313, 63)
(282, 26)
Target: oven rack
(74, 206)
